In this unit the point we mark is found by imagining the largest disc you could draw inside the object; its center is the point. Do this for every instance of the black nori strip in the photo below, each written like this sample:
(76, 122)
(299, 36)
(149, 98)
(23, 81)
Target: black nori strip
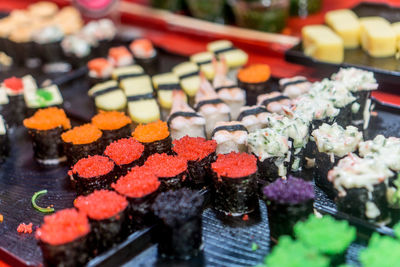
(223, 50)
(140, 212)
(47, 145)
(190, 74)
(204, 62)
(105, 91)
(293, 83)
(130, 75)
(169, 86)
(323, 165)
(361, 99)
(159, 146)
(267, 169)
(110, 136)
(172, 183)
(217, 89)
(181, 113)
(267, 101)
(229, 128)
(85, 186)
(253, 111)
(76, 152)
(206, 102)
(253, 90)
(235, 196)
(199, 172)
(133, 98)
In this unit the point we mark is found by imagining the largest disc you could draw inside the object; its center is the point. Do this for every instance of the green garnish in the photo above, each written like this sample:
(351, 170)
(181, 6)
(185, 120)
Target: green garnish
(382, 251)
(43, 97)
(254, 246)
(36, 206)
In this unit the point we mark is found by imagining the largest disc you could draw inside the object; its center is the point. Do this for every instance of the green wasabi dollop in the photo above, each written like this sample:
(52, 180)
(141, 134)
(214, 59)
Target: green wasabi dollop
(325, 234)
(382, 251)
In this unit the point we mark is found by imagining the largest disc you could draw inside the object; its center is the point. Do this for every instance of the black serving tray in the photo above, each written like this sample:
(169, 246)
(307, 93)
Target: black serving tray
(387, 70)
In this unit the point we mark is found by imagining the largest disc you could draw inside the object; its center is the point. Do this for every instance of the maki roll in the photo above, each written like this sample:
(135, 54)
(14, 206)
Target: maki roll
(132, 71)
(42, 98)
(165, 84)
(114, 125)
(235, 184)
(199, 153)
(107, 212)
(204, 61)
(227, 90)
(126, 153)
(183, 120)
(48, 43)
(274, 102)
(254, 80)
(20, 40)
(254, 117)
(100, 70)
(223, 48)
(63, 238)
(288, 201)
(326, 235)
(230, 137)
(140, 186)
(120, 56)
(181, 229)
(76, 49)
(45, 127)
(4, 145)
(102, 32)
(154, 136)
(210, 106)
(332, 144)
(295, 86)
(108, 96)
(362, 185)
(92, 173)
(82, 141)
(170, 170)
(188, 74)
(145, 55)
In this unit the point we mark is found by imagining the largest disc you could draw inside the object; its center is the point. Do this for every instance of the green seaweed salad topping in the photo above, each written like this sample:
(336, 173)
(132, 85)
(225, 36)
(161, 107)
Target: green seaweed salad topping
(382, 251)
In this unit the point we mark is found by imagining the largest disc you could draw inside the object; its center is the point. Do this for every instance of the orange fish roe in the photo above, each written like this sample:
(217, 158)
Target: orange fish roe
(254, 73)
(63, 227)
(164, 165)
(47, 119)
(194, 148)
(25, 228)
(155, 131)
(111, 120)
(92, 166)
(139, 182)
(235, 165)
(118, 52)
(14, 83)
(98, 65)
(124, 151)
(101, 204)
(84, 134)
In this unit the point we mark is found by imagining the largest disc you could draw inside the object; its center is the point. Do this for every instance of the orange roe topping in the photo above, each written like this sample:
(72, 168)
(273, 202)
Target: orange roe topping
(14, 84)
(63, 227)
(92, 166)
(48, 118)
(84, 134)
(139, 182)
(124, 151)
(142, 48)
(25, 228)
(98, 65)
(155, 131)
(164, 165)
(101, 204)
(255, 73)
(111, 120)
(117, 52)
(194, 148)
(235, 165)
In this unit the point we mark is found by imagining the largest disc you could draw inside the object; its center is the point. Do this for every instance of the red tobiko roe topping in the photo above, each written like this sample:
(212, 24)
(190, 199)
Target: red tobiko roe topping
(194, 148)
(14, 83)
(164, 165)
(25, 228)
(63, 227)
(92, 166)
(101, 204)
(235, 165)
(124, 151)
(139, 182)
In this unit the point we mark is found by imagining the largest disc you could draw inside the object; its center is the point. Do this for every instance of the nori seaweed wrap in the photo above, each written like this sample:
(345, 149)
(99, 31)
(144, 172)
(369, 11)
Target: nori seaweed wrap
(235, 185)
(181, 229)
(254, 79)
(288, 201)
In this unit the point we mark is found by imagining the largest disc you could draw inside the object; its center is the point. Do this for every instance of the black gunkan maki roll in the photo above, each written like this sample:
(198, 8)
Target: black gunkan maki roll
(48, 43)
(45, 127)
(100, 70)
(145, 55)
(274, 102)
(4, 142)
(63, 238)
(332, 144)
(76, 50)
(362, 186)
(107, 212)
(235, 185)
(181, 229)
(92, 173)
(254, 79)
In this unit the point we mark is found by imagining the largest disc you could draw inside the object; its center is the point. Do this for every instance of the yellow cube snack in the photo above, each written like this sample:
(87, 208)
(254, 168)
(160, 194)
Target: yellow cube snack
(189, 77)
(137, 85)
(377, 37)
(321, 43)
(144, 111)
(165, 84)
(396, 28)
(204, 61)
(234, 57)
(345, 23)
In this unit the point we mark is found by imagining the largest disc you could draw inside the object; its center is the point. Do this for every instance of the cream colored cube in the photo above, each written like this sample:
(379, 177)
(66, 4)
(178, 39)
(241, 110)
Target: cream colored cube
(345, 23)
(396, 28)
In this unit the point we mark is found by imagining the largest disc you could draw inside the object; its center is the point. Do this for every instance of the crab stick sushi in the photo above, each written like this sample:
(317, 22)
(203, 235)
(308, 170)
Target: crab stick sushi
(114, 125)
(126, 153)
(235, 183)
(145, 55)
(4, 143)
(120, 56)
(274, 102)
(108, 96)
(227, 90)
(64, 238)
(49, 96)
(107, 212)
(295, 86)
(92, 173)
(204, 61)
(223, 48)
(82, 141)
(100, 70)
(140, 186)
(188, 74)
(210, 106)
(254, 117)
(183, 120)
(170, 170)
(45, 127)
(199, 154)
(254, 79)
(165, 84)
(230, 137)
(126, 72)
